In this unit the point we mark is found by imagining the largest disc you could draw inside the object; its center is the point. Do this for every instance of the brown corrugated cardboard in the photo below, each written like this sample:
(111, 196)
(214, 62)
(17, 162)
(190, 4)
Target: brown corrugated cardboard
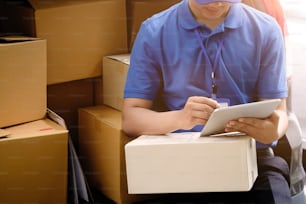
(78, 34)
(33, 163)
(115, 68)
(140, 10)
(23, 81)
(101, 146)
(193, 163)
(65, 99)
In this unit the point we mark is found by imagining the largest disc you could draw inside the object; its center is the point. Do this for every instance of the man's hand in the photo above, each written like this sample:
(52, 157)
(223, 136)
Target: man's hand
(196, 111)
(262, 130)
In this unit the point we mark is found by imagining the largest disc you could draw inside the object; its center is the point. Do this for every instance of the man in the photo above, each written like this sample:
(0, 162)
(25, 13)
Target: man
(197, 55)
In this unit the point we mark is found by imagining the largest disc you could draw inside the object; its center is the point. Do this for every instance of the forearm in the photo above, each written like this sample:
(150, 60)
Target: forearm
(283, 123)
(138, 118)
(138, 121)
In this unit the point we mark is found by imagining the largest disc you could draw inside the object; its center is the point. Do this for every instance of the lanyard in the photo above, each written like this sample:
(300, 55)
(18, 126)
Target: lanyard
(212, 65)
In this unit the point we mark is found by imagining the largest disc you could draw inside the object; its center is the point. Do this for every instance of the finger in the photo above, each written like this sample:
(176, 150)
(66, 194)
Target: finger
(199, 107)
(204, 100)
(204, 115)
(199, 121)
(254, 122)
(248, 128)
(227, 129)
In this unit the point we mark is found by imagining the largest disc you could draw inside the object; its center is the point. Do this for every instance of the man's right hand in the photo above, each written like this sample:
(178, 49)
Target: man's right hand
(196, 111)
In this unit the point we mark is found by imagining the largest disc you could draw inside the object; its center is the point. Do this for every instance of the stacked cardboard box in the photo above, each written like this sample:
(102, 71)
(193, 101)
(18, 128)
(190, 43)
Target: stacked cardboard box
(33, 163)
(22, 80)
(101, 145)
(78, 34)
(65, 99)
(33, 151)
(115, 68)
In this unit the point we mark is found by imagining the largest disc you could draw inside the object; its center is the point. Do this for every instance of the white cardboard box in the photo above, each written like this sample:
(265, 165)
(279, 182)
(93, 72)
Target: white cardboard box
(186, 162)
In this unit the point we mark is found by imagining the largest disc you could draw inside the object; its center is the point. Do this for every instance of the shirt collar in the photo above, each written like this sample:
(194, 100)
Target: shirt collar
(187, 21)
(234, 17)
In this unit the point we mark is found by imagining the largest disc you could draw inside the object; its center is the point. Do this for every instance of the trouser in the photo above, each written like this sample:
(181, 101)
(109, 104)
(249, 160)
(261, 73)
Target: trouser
(271, 186)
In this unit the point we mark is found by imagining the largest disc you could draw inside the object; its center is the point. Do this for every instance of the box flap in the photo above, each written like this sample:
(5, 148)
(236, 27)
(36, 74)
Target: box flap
(14, 39)
(124, 58)
(45, 4)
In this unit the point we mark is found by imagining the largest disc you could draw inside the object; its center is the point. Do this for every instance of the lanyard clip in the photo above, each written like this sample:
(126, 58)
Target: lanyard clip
(214, 88)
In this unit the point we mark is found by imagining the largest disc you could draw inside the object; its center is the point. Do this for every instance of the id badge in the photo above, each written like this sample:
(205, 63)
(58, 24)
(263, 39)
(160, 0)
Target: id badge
(223, 102)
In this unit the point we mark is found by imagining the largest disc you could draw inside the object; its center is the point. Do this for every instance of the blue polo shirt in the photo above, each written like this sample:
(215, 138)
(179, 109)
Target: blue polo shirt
(167, 56)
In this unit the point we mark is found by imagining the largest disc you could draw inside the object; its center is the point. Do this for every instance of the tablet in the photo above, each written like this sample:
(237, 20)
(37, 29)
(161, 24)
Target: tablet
(219, 118)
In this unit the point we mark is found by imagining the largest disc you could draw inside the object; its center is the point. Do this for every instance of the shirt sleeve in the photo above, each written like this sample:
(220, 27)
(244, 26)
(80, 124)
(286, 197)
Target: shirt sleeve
(144, 77)
(273, 82)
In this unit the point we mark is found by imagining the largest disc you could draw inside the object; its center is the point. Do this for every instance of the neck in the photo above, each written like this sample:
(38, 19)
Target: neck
(212, 24)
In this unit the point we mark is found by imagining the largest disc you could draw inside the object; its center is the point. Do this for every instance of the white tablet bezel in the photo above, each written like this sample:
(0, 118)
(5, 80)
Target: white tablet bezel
(219, 118)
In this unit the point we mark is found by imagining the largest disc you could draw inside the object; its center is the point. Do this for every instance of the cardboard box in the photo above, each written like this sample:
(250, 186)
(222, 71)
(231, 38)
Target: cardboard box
(33, 163)
(17, 18)
(101, 147)
(23, 81)
(115, 68)
(78, 34)
(67, 97)
(186, 162)
(140, 10)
